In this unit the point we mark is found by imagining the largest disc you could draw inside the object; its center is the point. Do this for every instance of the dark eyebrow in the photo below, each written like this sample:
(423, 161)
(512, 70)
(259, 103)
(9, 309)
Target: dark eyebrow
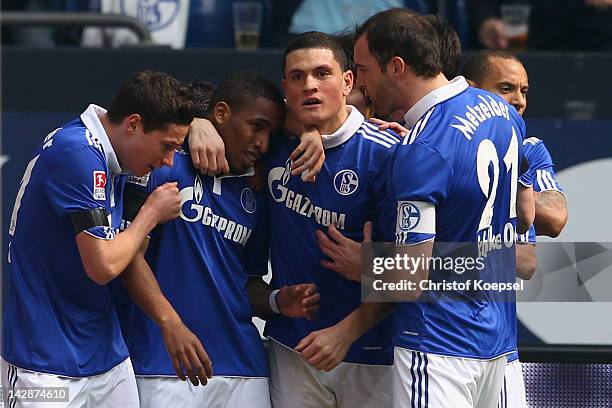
(262, 119)
(328, 67)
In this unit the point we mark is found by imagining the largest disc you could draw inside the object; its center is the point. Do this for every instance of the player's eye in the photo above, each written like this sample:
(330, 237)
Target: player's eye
(323, 74)
(296, 77)
(257, 127)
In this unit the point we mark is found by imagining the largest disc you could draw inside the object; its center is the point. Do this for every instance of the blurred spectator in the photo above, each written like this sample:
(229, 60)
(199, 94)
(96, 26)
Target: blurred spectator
(578, 25)
(292, 17)
(332, 16)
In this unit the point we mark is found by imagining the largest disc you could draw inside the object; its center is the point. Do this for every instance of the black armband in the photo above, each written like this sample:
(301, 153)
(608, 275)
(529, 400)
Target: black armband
(133, 199)
(86, 219)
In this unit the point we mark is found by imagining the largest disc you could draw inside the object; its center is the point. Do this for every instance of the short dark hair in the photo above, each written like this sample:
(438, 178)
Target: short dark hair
(316, 39)
(450, 46)
(406, 34)
(157, 97)
(201, 92)
(239, 89)
(477, 66)
(347, 40)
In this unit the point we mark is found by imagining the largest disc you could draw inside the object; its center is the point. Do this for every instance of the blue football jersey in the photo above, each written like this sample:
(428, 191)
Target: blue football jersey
(454, 178)
(541, 174)
(56, 319)
(349, 190)
(202, 261)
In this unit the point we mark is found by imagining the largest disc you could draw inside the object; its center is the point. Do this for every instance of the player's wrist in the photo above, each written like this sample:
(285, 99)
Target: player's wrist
(168, 320)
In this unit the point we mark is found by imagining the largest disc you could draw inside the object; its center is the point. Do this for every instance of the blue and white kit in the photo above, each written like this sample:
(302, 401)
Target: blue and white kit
(202, 261)
(349, 190)
(57, 320)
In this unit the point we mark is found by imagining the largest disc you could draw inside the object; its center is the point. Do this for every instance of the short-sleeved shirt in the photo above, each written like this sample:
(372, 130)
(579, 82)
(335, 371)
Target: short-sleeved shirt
(454, 179)
(349, 190)
(56, 319)
(202, 261)
(541, 175)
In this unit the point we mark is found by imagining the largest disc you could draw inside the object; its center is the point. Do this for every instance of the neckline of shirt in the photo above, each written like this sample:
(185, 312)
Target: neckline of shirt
(454, 88)
(350, 126)
(91, 119)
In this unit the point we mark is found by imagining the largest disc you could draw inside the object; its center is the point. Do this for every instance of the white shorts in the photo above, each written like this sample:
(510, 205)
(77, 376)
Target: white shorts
(513, 390)
(434, 381)
(296, 384)
(219, 392)
(114, 388)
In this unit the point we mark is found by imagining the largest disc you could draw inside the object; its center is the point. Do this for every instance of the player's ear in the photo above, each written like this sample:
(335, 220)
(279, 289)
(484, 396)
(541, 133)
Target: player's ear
(347, 82)
(132, 123)
(221, 112)
(396, 66)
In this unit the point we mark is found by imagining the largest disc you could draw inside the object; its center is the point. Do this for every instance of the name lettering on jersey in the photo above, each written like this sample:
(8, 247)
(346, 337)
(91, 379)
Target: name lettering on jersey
(99, 185)
(231, 230)
(346, 182)
(140, 181)
(248, 201)
(488, 241)
(477, 114)
(301, 204)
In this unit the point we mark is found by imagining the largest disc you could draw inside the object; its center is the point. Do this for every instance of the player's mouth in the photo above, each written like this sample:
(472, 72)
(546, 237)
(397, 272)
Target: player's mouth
(310, 103)
(252, 156)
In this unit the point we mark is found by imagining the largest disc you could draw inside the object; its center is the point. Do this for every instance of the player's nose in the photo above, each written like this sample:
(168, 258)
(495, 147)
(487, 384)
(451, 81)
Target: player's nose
(168, 159)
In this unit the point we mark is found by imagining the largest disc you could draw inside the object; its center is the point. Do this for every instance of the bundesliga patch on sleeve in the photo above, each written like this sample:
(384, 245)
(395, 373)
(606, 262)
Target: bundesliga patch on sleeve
(416, 216)
(99, 184)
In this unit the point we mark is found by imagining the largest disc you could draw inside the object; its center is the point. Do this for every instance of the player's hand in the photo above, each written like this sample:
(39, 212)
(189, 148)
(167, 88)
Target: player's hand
(207, 148)
(299, 300)
(325, 349)
(187, 353)
(492, 33)
(165, 201)
(309, 156)
(345, 253)
(394, 126)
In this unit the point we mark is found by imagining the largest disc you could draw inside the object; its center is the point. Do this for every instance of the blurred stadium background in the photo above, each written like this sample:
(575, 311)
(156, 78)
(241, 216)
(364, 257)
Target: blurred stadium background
(566, 341)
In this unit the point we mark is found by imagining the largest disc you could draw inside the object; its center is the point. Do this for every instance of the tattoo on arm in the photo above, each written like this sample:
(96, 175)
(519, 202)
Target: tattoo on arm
(550, 198)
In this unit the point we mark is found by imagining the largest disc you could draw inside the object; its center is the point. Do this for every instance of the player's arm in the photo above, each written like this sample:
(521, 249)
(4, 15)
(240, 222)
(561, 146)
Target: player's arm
(325, 349)
(300, 300)
(525, 208)
(550, 212)
(550, 201)
(185, 349)
(526, 262)
(208, 150)
(104, 259)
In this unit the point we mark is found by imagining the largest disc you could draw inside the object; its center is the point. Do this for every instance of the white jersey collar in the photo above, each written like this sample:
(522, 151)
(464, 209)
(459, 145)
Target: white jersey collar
(350, 126)
(248, 173)
(454, 88)
(91, 119)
